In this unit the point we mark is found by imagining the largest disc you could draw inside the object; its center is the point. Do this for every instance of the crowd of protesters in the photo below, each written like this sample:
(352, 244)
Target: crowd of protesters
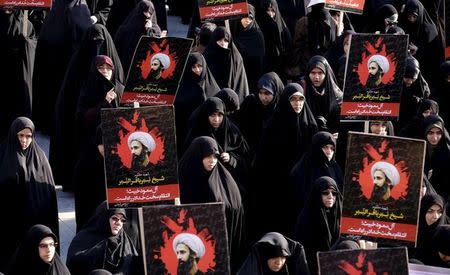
(257, 118)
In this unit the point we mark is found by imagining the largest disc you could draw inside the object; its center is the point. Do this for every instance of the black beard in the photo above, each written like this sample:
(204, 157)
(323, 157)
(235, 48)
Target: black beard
(185, 267)
(378, 193)
(154, 74)
(137, 161)
(372, 80)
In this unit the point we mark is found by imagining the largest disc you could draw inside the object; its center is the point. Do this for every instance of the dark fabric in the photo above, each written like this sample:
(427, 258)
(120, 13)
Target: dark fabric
(317, 226)
(425, 231)
(282, 144)
(26, 259)
(131, 30)
(227, 65)
(325, 100)
(96, 41)
(291, 11)
(277, 37)
(95, 247)
(313, 165)
(100, 272)
(199, 186)
(60, 34)
(100, 9)
(250, 42)
(345, 243)
(120, 10)
(193, 91)
(378, 24)
(253, 116)
(273, 245)
(413, 128)
(441, 93)
(17, 52)
(440, 242)
(336, 51)
(437, 157)
(26, 182)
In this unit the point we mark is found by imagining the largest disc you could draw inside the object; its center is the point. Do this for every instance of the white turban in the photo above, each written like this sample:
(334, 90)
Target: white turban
(389, 171)
(381, 60)
(192, 241)
(315, 2)
(144, 138)
(163, 58)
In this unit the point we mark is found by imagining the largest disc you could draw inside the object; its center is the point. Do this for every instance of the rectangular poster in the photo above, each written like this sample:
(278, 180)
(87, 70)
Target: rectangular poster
(156, 70)
(27, 3)
(222, 9)
(353, 6)
(375, 261)
(374, 77)
(182, 238)
(140, 155)
(383, 176)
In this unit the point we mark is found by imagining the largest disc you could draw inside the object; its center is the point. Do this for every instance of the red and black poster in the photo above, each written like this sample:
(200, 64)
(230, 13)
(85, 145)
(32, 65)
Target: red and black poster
(373, 261)
(383, 176)
(27, 4)
(222, 9)
(353, 6)
(183, 238)
(156, 70)
(374, 77)
(140, 155)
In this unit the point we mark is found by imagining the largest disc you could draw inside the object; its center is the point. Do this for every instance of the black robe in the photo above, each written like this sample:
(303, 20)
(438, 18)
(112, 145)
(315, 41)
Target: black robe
(26, 182)
(96, 41)
(441, 95)
(95, 247)
(26, 259)
(317, 226)
(100, 9)
(120, 10)
(199, 186)
(17, 51)
(273, 245)
(131, 30)
(227, 65)
(413, 129)
(440, 242)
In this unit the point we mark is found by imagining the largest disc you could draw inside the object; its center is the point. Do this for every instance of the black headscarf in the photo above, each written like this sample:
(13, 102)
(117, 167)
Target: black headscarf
(441, 92)
(440, 242)
(95, 41)
(227, 65)
(200, 186)
(26, 259)
(414, 128)
(425, 231)
(17, 52)
(100, 9)
(321, 29)
(26, 182)
(272, 245)
(382, 13)
(317, 226)
(131, 30)
(95, 246)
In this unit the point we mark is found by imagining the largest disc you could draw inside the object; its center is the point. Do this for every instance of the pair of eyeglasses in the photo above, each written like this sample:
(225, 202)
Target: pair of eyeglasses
(327, 192)
(47, 245)
(116, 219)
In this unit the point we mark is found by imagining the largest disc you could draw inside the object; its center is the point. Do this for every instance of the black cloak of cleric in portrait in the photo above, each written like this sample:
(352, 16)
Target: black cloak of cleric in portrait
(385, 176)
(159, 63)
(377, 65)
(189, 249)
(141, 145)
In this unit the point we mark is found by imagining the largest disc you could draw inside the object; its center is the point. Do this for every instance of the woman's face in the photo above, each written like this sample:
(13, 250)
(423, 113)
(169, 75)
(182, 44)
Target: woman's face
(215, 119)
(271, 12)
(379, 178)
(209, 162)
(116, 222)
(223, 43)
(317, 77)
(197, 69)
(246, 21)
(328, 197)
(434, 135)
(47, 249)
(297, 102)
(378, 127)
(328, 150)
(265, 97)
(25, 138)
(105, 70)
(433, 214)
(276, 264)
(427, 113)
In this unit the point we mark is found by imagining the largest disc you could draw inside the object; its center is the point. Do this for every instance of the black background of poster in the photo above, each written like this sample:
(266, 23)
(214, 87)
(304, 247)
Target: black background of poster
(155, 116)
(177, 45)
(412, 153)
(389, 260)
(209, 215)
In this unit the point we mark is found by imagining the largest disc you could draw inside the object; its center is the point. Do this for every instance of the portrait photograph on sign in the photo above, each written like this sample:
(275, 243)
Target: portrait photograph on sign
(140, 155)
(156, 70)
(374, 73)
(186, 239)
(383, 177)
(372, 261)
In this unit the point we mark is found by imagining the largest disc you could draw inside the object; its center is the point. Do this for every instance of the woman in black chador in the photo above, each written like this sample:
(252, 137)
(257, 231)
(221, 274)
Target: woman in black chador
(225, 63)
(318, 223)
(275, 254)
(96, 41)
(37, 254)
(27, 186)
(17, 50)
(204, 179)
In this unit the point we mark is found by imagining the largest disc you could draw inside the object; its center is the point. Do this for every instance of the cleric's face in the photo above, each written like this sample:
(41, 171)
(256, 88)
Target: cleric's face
(373, 68)
(156, 65)
(136, 148)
